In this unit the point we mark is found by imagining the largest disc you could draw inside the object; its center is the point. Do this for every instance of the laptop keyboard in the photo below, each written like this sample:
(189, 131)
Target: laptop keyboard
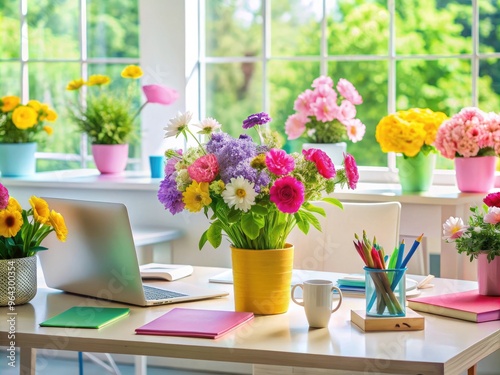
(154, 294)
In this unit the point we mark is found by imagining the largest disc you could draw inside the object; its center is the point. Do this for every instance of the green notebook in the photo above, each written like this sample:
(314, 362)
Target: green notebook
(86, 317)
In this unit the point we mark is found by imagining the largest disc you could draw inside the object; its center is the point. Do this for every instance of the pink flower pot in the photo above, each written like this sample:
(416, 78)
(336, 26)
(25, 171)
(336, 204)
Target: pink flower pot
(488, 275)
(475, 175)
(110, 159)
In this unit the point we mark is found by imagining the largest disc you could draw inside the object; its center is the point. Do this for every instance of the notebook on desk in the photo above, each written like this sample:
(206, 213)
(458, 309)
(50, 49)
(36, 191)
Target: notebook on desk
(99, 258)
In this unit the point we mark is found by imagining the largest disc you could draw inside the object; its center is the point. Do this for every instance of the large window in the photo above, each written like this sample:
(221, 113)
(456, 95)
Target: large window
(439, 54)
(46, 43)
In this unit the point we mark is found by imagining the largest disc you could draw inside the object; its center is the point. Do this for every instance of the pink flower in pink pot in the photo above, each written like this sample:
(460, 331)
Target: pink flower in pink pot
(160, 94)
(204, 169)
(295, 125)
(492, 200)
(288, 194)
(492, 216)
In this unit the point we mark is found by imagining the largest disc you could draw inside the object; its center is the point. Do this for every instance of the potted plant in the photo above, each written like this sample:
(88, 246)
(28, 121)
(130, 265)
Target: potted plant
(21, 127)
(472, 139)
(480, 239)
(108, 117)
(21, 235)
(254, 195)
(411, 133)
(327, 117)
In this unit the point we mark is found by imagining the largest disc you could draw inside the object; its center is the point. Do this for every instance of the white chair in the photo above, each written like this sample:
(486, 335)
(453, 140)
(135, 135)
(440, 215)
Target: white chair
(332, 249)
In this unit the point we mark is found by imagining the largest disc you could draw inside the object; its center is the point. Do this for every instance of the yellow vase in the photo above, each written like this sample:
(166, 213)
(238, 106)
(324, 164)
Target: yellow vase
(262, 279)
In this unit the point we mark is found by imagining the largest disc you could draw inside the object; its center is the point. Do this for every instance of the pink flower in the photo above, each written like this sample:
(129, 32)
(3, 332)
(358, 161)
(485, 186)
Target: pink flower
(4, 197)
(351, 170)
(492, 200)
(279, 162)
(347, 111)
(321, 81)
(295, 125)
(325, 108)
(493, 215)
(160, 94)
(348, 91)
(303, 102)
(453, 228)
(322, 161)
(355, 129)
(288, 194)
(204, 169)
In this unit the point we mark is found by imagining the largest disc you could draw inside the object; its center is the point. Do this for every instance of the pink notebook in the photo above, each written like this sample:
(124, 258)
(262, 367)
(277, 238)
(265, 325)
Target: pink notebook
(209, 324)
(468, 305)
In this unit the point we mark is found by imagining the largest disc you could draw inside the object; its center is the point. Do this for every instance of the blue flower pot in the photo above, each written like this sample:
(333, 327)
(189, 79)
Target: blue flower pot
(17, 159)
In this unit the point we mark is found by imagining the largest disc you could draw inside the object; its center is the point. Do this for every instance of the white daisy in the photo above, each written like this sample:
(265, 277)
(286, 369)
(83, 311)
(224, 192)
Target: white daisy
(208, 125)
(239, 193)
(177, 124)
(453, 228)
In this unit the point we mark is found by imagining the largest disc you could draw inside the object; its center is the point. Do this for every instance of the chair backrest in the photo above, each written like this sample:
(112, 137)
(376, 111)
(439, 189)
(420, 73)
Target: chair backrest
(332, 249)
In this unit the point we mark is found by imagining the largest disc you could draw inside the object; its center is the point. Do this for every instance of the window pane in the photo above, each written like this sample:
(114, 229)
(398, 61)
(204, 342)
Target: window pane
(489, 33)
(489, 85)
(296, 27)
(113, 29)
(370, 80)
(9, 30)
(48, 85)
(10, 81)
(233, 28)
(441, 30)
(53, 29)
(356, 27)
(234, 91)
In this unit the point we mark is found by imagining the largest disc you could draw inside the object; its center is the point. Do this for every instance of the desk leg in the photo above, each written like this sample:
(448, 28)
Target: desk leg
(141, 365)
(472, 370)
(28, 361)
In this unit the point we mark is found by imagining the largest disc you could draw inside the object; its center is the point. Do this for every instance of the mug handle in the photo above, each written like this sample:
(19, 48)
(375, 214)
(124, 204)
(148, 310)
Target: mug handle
(340, 298)
(300, 303)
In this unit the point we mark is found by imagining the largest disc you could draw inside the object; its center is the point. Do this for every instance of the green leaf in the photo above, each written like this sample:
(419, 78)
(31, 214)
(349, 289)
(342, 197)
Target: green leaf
(302, 222)
(252, 224)
(203, 240)
(234, 216)
(259, 210)
(311, 219)
(333, 201)
(313, 208)
(214, 234)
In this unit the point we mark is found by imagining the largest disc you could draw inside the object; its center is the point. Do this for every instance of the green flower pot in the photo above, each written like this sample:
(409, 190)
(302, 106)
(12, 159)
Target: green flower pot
(416, 173)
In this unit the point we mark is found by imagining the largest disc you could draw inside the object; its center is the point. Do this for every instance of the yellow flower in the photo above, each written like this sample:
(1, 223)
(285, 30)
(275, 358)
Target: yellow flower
(11, 222)
(98, 79)
(35, 104)
(48, 129)
(51, 115)
(75, 84)
(14, 205)
(57, 222)
(132, 71)
(9, 103)
(196, 196)
(41, 210)
(24, 117)
(408, 131)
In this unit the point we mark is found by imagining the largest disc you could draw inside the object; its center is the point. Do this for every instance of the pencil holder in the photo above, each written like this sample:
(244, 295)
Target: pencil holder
(385, 291)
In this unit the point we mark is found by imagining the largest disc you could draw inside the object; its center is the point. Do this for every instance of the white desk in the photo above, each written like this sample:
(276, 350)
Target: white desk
(274, 344)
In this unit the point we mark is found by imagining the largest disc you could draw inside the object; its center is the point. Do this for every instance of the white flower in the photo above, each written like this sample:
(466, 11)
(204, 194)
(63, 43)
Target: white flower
(177, 124)
(493, 215)
(453, 228)
(208, 126)
(239, 193)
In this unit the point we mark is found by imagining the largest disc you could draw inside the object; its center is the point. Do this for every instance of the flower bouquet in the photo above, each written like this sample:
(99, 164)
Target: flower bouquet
(107, 117)
(252, 193)
(412, 134)
(480, 239)
(23, 123)
(326, 115)
(21, 235)
(472, 139)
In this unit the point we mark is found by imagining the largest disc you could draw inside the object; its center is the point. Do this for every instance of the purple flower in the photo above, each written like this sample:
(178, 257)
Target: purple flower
(256, 119)
(169, 196)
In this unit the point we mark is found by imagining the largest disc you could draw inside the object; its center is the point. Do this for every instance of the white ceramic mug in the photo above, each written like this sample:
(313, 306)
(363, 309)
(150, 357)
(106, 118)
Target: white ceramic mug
(318, 301)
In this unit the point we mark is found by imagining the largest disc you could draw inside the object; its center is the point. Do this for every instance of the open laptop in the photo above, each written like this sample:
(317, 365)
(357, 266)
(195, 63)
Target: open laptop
(99, 258)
